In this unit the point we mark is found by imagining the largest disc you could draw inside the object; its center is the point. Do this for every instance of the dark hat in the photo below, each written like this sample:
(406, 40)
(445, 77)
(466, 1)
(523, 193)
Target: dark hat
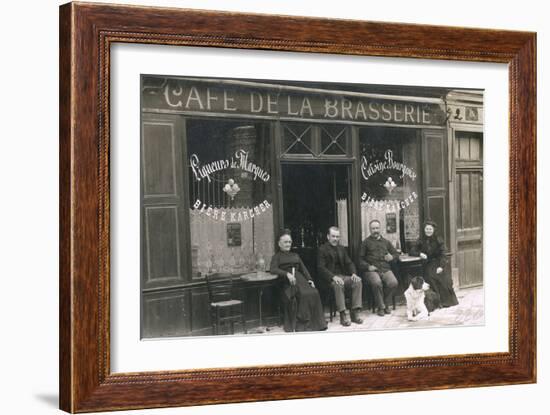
(283, 232)
(430, 222)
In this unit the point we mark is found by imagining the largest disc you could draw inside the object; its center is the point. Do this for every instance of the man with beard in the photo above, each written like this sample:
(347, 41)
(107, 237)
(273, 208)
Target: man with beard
(375, 257)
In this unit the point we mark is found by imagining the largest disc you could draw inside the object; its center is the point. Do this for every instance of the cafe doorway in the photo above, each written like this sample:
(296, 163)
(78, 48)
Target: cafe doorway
(315, 197)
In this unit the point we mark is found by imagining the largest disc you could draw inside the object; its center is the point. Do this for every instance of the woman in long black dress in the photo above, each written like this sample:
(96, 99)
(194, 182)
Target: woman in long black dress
(302, 306)
(431, 248)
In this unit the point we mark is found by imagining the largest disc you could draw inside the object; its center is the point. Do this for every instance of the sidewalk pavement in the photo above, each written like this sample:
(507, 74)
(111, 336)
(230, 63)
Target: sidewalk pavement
(469, 311)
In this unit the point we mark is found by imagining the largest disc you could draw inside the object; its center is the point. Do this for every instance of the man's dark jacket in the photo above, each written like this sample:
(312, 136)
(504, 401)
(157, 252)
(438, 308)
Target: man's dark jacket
(333, 260)
(373, 251)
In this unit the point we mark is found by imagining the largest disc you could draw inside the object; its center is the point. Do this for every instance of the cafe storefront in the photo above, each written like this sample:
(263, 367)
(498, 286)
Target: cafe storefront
(227, 164)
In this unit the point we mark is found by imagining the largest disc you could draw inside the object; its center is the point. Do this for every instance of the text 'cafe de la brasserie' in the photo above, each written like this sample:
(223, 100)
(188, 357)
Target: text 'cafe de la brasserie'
(227, 163)
(351, 108)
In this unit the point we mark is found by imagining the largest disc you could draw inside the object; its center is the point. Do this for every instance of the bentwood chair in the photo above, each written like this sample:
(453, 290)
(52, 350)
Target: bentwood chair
(224, 309)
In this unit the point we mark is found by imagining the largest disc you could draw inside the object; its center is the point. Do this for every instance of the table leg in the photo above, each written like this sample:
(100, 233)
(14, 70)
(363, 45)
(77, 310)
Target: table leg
(260, 328)
(260, 305)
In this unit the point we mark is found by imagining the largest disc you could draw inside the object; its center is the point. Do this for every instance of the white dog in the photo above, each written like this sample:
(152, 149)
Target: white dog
(416, 309)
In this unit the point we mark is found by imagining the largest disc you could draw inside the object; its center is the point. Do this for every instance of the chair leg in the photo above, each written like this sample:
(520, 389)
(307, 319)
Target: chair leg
(232, 327)
(219, 323)
(243, 321)
(331, 306)
(214, 318)
(393, 301)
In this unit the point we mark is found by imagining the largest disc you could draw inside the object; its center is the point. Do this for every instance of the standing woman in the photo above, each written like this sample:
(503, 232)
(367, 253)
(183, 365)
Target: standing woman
(431, 248)
(302, 306)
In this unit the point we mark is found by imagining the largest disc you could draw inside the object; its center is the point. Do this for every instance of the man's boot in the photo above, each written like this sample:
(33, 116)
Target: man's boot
(344, 320)
(355, 316)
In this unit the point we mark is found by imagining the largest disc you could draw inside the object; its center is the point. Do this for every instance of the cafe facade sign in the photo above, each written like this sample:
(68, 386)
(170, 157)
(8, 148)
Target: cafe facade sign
(235, 98)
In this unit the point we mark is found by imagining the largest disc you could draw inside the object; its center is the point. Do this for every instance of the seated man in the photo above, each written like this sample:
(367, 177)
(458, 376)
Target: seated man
(375, 256)
(337, 270)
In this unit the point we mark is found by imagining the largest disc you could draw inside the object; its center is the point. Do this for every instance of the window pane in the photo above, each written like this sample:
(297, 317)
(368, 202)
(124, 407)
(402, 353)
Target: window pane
(474, 148)
(464, 148)
(230, 196)
(468, 145)
(390, 184)
(297, 139)
(334, 140)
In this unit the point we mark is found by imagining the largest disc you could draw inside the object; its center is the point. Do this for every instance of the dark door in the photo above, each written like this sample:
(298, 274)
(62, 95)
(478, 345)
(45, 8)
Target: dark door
(315, 197)
(469, 197)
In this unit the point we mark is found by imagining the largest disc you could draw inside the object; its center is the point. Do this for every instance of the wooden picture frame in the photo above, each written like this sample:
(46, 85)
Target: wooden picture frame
(87, 32)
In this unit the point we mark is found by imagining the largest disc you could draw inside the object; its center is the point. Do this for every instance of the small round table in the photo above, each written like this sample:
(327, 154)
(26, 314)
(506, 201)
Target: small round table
(406, 265)
(262, 278)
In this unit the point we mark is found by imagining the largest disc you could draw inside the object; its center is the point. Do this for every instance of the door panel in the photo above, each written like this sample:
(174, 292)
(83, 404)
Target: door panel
(436, 209)
(469, 197)
(164, 232)
(469, 264)
(163, 205)
(435, 180)
(165, 314)
(162, 243)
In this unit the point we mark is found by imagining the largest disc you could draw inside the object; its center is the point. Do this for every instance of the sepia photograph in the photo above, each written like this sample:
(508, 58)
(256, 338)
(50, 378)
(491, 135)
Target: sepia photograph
(279, 206)
(328, 207)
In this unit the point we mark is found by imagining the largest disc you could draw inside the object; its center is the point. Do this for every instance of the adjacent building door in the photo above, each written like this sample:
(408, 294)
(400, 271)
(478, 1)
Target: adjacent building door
(469, 197)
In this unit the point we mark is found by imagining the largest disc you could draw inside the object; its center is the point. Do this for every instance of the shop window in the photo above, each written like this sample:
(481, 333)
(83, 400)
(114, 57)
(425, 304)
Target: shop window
(390, 183)
(231, 212)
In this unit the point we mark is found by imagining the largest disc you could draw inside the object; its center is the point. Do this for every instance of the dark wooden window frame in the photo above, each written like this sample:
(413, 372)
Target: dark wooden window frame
(87, 32)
